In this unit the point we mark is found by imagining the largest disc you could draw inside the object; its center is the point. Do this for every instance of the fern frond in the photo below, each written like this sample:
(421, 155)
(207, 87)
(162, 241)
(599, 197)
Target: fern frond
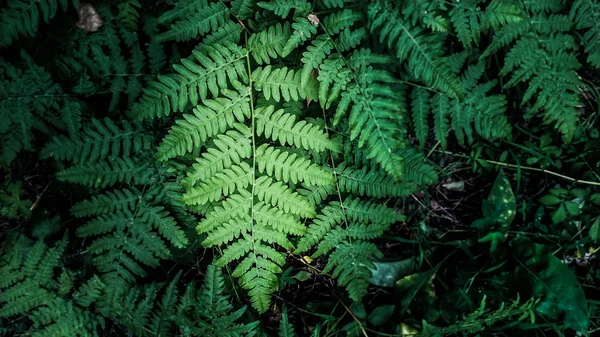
(282, 127)
(99, 140)
(243, 9)
(314, 55)
(289, 167)
(420, 111)
(282, 8)
(303, 30)
(351, 264)
(205, 19)
(586, 15)
(278, 83)
(22, 17)
(210, 71)
(371, 183)
(211, 118)
(229, 149)
(108, 202)
(128, 14)
(106, 173)
(421, 49)
(338, 21)
(221, 184)
(268, 44)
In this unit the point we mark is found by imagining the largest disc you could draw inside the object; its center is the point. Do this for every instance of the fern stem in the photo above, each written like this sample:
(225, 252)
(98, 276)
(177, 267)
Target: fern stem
(253, 132)
(527, 168)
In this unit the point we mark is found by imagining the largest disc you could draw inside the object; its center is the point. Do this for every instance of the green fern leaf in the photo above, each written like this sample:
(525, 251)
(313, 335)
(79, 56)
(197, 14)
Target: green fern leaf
(99, 140)
(351, 264)
(209, 119)
(279, 83)
(422, 50)
(283, 7)
(268, 44)
(210, 71)
(205, 19)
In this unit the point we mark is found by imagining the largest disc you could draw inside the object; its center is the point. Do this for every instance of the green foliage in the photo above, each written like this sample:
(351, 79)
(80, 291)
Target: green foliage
(499, 210)
(22, 17)
(553, 283)
(315, 137)
(14, 206)
(32, 287)
(30, 101)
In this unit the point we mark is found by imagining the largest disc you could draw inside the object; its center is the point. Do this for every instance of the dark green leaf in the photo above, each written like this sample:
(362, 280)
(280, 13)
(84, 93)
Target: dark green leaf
(408, 287)
(381, 314)
(387, 273)
(595, 230)
(550, 199)
(551, 281)
(559, 215)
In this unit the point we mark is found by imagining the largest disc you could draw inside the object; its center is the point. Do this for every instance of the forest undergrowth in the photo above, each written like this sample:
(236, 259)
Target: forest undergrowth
(299, 168)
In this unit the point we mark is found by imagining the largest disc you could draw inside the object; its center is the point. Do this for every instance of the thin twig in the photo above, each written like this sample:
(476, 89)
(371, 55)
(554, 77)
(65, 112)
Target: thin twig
(528, 168)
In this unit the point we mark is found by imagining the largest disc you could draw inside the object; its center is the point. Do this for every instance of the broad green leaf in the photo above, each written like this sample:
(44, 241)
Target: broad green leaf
(381, 314)
(408, 286)
(572, 207)
(550, 199)
(302, 276)
(559, 215)
(499, 211)
(502, 201)
(595, 230)
(386, 273)
(595, 198)
(545, 277)
(358, 309)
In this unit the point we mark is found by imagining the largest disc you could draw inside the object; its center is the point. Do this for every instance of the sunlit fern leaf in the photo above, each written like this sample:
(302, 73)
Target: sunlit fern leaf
(283, 128)
(303, 30)
(211, 70)
(280, 83)
(336, 22)
(350, 39)
(211, 118)
(351, 264)
(228, 148)
(289, 167)
(314, 55)
(100, 139)
(230, 32)
(221, 184)
(205, 19)
(284, 7)
(268, 44)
